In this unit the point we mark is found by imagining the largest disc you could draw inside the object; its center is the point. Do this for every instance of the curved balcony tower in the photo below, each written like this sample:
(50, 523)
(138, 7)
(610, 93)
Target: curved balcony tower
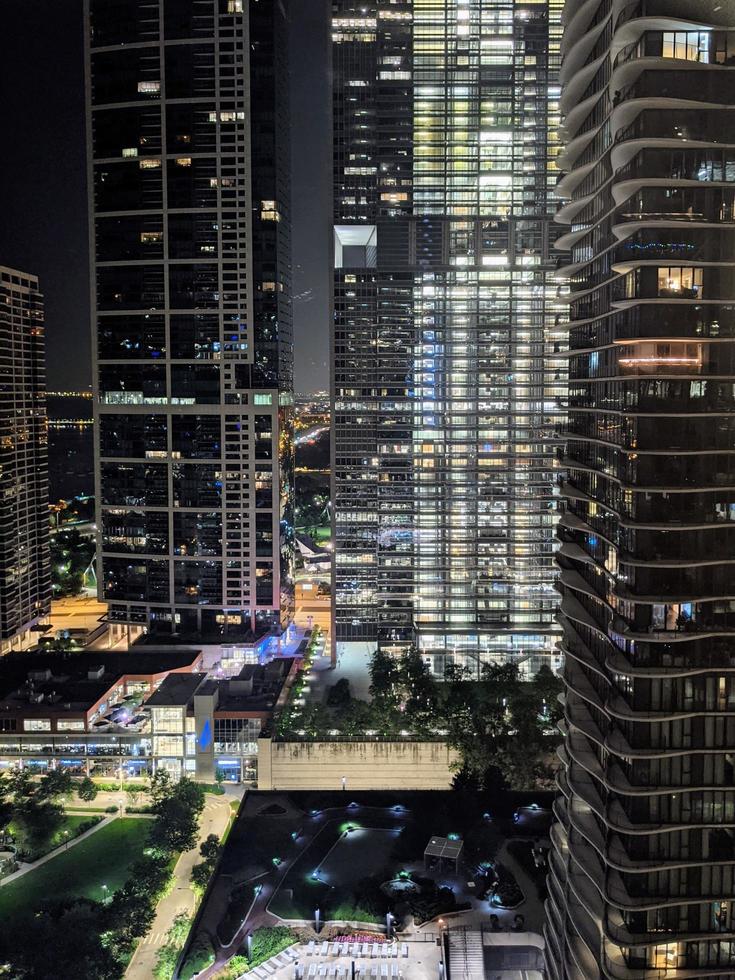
(642, 879)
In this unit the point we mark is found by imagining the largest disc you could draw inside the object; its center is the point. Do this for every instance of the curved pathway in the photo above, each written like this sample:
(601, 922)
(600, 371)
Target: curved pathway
(214, 820)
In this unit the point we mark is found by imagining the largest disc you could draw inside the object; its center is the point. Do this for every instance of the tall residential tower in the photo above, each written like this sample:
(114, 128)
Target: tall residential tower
(25, 573)
(189, 220)
(447, 380)
(643, 858)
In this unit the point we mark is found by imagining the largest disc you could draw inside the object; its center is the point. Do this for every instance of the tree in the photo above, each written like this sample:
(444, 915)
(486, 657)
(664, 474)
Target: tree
(177, 807)
(384, 677)
(200, 875)
(87, 789)
(210, 848)
(56, 783)
(34, 822)
(338, 694)
(419, 689)
(20, 784)
(161, 786)
(71, 553)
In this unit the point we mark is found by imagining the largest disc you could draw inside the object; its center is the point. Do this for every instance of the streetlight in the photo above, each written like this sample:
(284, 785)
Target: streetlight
(104, 894)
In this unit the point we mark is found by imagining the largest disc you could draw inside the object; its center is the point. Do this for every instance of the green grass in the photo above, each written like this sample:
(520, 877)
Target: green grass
(68, 830)
(103, 858)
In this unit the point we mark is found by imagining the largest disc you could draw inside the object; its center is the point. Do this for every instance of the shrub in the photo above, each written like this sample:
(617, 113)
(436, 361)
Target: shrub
(268, 941)
(111, 809)
(507, 894)
(168, 954)
(234, 969)
(199, 957)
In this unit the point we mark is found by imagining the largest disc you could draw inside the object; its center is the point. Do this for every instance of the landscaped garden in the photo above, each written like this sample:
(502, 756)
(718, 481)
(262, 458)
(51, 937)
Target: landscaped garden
(103, 859)
(503, 728)
(356, 858)
(82, 912)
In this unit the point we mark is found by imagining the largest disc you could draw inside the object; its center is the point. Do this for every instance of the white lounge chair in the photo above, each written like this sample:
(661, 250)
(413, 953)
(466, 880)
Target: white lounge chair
(375, 951)
(374, 973)
(325, 949)
(365, 949)
(404, 949)
(384, 949)
(332, 971)
(322, 969)
(384, 971)
(394, 970)
(394, 950)
(311, 947)
(312, 970)
(343, 949)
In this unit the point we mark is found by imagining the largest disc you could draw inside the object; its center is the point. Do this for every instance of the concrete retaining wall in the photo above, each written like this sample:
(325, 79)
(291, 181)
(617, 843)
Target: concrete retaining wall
(284, 765)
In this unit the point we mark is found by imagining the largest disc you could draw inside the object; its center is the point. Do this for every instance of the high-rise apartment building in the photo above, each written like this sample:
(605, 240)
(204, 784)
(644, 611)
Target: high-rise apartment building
(448, 384)
(25, 572)
(189, 220)
(643, 857)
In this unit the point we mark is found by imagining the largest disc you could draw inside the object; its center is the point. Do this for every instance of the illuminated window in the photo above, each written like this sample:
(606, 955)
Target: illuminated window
(70, 725)
(149, 88)
(268, 211)
(149, 237)
(183, 161)
(685, 281)
(37, 724)
(130, 151)
(149, 164)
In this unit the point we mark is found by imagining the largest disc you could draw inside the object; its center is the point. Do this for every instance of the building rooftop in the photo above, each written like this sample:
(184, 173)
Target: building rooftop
(176, 690)
(256, 688)
(37, 682)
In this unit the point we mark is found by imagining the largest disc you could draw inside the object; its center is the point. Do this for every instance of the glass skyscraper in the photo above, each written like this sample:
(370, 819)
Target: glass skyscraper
(449, 377)
(25, 573)
(642, 865)
(189, 222)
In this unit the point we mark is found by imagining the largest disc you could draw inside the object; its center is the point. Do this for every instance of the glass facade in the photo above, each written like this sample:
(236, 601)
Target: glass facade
(643, 856)
(449, 377)
(25, 573)
(190, 219)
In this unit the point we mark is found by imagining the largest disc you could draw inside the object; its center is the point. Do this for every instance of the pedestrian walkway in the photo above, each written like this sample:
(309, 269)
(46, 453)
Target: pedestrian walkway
(180, 899)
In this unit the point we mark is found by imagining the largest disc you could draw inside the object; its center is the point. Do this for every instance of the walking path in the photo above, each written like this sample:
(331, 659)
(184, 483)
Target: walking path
(214, 820)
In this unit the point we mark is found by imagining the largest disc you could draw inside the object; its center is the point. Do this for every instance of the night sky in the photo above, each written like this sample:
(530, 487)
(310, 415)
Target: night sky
(43, 196)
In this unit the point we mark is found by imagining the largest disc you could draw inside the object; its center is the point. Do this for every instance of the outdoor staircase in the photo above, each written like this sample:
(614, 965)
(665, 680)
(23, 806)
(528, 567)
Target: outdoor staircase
(465, 954)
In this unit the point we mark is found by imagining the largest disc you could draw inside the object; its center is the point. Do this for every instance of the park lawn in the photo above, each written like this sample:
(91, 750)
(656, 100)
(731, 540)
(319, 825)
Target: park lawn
(70, 824)
(103, 858)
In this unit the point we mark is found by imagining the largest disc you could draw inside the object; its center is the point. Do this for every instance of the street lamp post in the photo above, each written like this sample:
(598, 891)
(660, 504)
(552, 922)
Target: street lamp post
(317, 916)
